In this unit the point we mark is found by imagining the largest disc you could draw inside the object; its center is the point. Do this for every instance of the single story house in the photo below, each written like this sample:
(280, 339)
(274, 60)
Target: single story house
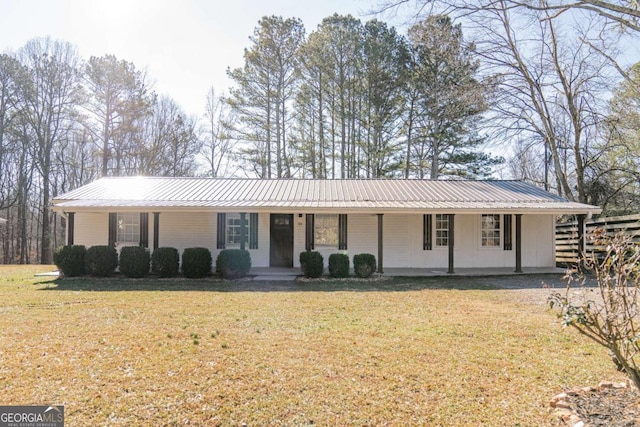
(404, 223)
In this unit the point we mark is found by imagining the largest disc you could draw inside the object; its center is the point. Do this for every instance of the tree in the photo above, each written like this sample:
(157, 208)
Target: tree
(265, 88)
(11, 76)
(49, 97)
(446, 101)
(218, 142)
(118, 101)
(385, 60)
(169, 143)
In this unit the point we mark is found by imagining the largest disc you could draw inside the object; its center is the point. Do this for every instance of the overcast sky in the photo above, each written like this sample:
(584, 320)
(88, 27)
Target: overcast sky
(185, 45)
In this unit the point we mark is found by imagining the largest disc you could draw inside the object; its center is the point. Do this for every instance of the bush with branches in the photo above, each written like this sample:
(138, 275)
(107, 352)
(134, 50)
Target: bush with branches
(134, 261)
(70, 260)
(233, 263)
(339, 265)
(196, 262)
(101, 261)
(364, 265)
(165, 262)
(611, 316)
(311, 263)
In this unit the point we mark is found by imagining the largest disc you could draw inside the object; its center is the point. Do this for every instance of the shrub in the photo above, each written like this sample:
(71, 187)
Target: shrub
(613, 318)
(339, 265)
(196, 262)
(233, 263)
(165, 262)
(311, 263)
(101, 260)
(134, 261)
(364, 265)
(70, 260)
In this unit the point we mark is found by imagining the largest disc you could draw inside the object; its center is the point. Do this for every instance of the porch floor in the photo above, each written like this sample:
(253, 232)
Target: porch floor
(283, 273)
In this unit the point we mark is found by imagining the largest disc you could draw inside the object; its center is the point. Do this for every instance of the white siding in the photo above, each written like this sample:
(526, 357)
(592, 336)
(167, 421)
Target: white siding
(403, 246)
(538, 241)
(91, 229)
(182, 230)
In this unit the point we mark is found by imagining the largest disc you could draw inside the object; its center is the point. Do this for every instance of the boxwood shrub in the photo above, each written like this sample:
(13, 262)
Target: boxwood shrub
(101, 260)
(165, 262)
(339, 265)
(70, 260)
(233, 263)
(134, 261)
(196, 262)
(311, 263)
(364, 265)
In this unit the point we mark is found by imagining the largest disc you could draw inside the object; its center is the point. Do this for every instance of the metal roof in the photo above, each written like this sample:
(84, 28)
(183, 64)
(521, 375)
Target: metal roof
(306, 194)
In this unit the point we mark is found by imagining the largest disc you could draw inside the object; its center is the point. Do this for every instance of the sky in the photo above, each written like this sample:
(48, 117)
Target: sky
(185, 46)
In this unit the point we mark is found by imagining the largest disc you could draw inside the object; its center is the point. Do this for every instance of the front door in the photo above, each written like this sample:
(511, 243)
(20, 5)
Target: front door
(281, 248)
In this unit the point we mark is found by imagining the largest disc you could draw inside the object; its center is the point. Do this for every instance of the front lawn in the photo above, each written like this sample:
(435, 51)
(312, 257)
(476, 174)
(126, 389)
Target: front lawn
(175, 352)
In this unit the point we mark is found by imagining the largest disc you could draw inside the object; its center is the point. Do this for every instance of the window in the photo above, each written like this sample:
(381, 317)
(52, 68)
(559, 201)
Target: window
(325, 231)
(442, 230)
(491, 231)
(128, 227)
(234, 229)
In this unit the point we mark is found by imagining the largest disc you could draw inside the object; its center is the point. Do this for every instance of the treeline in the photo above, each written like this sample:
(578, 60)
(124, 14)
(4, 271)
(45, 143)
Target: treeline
(348, 100)
(354, 100)
(65, 122)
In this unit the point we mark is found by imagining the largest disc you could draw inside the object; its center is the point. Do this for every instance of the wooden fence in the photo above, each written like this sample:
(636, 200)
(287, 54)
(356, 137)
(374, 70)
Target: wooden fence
(567, 244)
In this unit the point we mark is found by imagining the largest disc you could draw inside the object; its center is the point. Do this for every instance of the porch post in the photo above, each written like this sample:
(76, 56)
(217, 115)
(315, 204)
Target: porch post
(518, 243)
(156, 230)
(581, 240)
(451, 240)
(380, 244)
(243, 230)
(70, 227)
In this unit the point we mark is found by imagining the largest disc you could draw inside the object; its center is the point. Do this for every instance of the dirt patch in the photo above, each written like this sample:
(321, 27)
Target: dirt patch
(608, 405)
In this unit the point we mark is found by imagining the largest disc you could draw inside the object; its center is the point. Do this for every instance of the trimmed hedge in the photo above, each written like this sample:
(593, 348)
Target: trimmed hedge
(233, 263)
(311, 263)
(101, 260)
(339, 265)
(165, 262)
(70, 260)
(364, 265)
(134, 261)
(196, 262)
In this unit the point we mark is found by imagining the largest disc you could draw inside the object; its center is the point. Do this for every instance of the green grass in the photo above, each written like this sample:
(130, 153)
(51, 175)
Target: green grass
(399, 352)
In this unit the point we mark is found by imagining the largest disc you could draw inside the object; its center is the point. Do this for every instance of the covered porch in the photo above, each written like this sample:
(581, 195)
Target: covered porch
(282, 273)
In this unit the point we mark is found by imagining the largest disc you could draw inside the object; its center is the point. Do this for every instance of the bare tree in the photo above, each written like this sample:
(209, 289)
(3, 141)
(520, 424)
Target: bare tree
(216, 134)
(49, 97)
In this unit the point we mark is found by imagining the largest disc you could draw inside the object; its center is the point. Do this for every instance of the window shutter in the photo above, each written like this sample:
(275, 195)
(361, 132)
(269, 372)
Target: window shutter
(144, 229)
(156, 230)
(342, 231)
(70, 227)
(253, 231)
(222, 227)
(508, 238)
(427, 233)
(113, 228)
(308, 240)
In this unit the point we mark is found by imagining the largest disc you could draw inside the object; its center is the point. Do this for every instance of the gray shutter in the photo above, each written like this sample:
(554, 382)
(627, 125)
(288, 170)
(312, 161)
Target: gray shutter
(253, 231)
(308, 235)
(342, 231)
(144, 229)
(427, 232)
(156, 230)
(222, 228)
(113, 228)
(70, 227)
(508, 237)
